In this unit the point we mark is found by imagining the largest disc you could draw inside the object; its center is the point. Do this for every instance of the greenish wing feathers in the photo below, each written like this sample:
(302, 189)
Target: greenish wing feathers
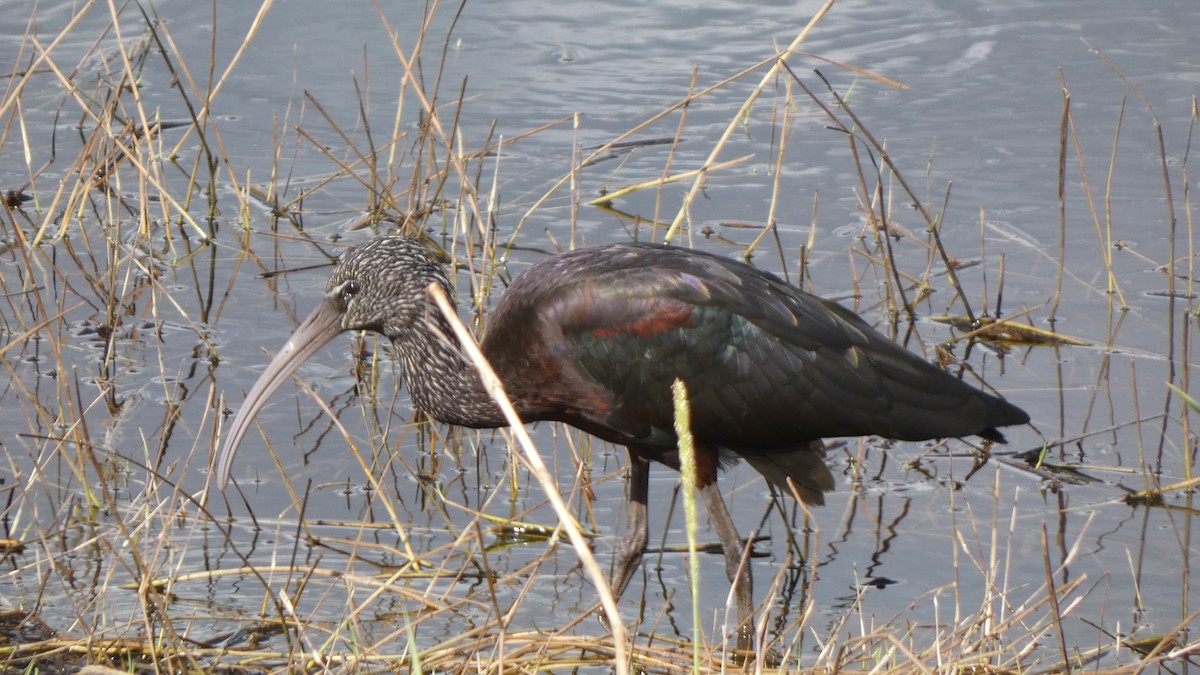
(752, 349)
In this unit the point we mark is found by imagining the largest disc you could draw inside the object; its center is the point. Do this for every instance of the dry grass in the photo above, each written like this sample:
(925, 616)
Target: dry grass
(118, 553)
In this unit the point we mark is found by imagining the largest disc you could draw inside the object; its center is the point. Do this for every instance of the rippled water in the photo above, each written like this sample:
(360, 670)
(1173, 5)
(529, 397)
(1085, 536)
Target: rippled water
(980, 108)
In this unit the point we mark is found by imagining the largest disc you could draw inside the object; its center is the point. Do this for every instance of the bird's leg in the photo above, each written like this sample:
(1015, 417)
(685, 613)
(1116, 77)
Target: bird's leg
(738, 573)
(637, 530)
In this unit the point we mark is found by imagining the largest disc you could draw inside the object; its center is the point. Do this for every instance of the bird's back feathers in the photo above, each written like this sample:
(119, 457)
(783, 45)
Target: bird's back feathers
(768, 367)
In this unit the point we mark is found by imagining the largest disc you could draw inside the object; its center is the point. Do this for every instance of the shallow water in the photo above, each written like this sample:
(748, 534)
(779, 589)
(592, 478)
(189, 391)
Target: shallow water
(982, 109)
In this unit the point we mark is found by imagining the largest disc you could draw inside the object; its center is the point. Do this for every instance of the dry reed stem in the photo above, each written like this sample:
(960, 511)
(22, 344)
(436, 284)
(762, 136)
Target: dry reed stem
(533, 460)
(780, 61)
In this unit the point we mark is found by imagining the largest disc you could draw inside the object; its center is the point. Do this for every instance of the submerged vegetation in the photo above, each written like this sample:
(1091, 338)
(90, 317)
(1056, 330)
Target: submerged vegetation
(149, 236)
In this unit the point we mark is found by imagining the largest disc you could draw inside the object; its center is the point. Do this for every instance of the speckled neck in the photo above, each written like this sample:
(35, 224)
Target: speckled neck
(440, 379)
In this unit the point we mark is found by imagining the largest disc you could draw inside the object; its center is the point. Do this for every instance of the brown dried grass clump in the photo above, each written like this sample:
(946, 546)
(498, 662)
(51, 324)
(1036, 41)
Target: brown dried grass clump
(118, 553)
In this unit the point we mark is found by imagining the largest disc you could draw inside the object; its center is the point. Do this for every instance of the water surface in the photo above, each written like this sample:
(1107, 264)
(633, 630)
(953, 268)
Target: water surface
(979, 115)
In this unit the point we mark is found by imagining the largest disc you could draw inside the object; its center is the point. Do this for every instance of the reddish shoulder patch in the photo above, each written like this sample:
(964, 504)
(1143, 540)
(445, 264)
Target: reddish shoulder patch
(665, 317)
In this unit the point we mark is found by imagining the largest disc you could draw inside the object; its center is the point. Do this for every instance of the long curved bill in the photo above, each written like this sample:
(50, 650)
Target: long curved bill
(314, 332)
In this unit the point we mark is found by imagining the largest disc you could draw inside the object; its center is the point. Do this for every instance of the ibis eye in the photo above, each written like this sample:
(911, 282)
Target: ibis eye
(350, 289)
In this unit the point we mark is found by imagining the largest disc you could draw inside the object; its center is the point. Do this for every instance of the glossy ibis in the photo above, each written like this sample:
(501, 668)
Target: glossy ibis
(595, 337)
